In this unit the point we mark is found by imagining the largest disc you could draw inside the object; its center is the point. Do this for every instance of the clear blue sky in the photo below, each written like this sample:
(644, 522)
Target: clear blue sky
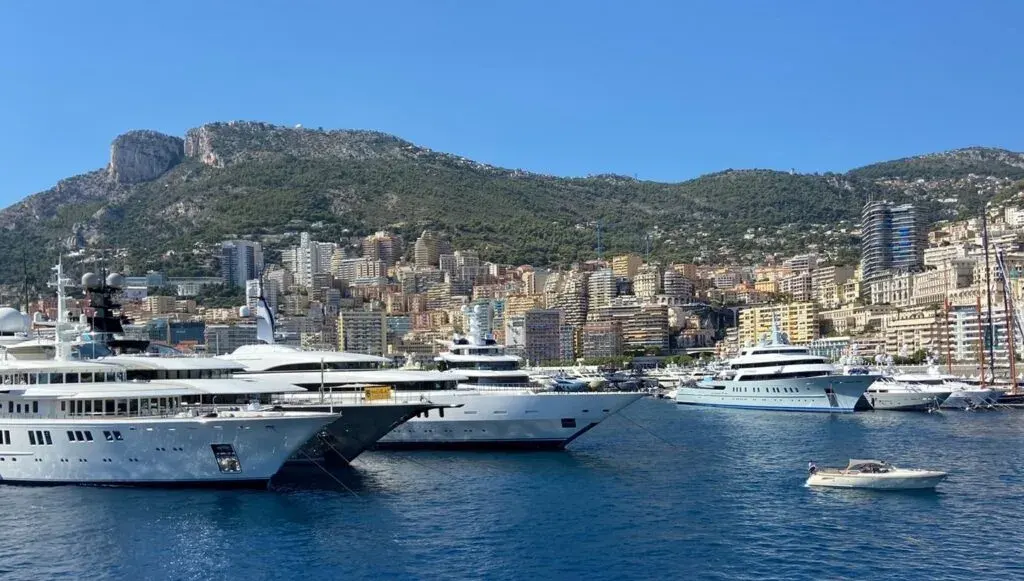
(664, 89)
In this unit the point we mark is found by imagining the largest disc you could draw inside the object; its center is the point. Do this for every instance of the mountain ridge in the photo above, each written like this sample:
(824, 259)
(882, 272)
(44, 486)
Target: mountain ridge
(162, 195)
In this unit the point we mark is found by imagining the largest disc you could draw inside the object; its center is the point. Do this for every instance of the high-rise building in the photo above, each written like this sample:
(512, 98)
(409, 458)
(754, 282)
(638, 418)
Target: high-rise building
(647, 330)
(240, 260)
(541, 335)
(892, 239)
(573, 300)
(600, 288)
(426, 250)
(677, 286)
(795, 319)
(308, 258)
(647, 282)
(382, 246)
(602, 339)
(363, 332)
(626, 265)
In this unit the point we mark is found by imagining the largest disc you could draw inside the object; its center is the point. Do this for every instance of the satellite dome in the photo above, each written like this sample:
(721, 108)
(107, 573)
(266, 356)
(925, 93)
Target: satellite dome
(12, 321)
(244, 312)
(38, 317)
(115, 280)
(91, 280)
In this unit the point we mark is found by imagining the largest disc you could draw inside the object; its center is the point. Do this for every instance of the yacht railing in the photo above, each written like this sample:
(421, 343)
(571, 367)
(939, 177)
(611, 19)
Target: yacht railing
(183, 412)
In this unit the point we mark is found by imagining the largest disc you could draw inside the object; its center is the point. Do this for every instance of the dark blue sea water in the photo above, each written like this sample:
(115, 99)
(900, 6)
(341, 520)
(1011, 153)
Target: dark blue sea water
(723, 499)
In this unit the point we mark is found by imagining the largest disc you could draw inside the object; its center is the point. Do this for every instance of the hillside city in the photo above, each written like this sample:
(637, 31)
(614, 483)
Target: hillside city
(916, 294)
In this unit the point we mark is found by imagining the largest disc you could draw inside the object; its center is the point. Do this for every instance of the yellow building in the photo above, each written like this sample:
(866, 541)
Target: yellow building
(685, 269)
(519, 304)
(766, 285)
(626, 265)
(798, 320)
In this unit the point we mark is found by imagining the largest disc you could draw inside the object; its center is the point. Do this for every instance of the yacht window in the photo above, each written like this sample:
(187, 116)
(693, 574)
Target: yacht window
(71, 436)
(19, 408)
(86, 377)
(49, 441)
(10, 407)
(71, 378)
(108, 406)
(35, 407)
(31, 438)
(108, 436)
(109, 376)
(117, 436)
(88, 436)
(32, 379)
(79, 407)
(78, 436)
(63, 406)
(133, 406)
(122, 407)
(56, 378)
(43, 378)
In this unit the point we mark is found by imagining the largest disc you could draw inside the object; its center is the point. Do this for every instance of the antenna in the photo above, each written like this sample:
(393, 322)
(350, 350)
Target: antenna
(61, 283)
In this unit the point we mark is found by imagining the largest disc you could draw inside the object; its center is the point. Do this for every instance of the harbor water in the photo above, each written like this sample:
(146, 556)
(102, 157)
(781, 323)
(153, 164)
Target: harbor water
(661, 492)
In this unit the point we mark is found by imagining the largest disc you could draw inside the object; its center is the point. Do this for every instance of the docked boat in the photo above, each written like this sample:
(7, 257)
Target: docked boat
(64, 421)
(888, 394)
(482, 399)
(962, 394)
(874, 475)
(778, 376)
(362, 420)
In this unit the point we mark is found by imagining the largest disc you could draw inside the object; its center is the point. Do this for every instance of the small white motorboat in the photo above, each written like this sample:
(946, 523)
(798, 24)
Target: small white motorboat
(874, 475)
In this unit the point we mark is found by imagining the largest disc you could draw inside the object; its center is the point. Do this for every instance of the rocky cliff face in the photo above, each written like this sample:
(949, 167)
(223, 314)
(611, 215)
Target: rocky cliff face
(141, 156)
(222, 144)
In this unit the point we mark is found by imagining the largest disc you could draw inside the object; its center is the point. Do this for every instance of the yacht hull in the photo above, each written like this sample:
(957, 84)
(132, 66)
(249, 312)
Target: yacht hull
(905, 401)
(518, 420)
(357, 430)
(970, 398)
(154, 452)
(902, 480)
(809, 394)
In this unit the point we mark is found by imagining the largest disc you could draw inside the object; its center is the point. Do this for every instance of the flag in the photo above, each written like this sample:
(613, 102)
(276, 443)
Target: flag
(264, 322)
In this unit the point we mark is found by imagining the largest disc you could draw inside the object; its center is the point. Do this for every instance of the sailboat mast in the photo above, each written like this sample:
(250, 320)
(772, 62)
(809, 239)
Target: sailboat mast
(989, 334)
(981, 343)
(1011, 339)
(949, 339)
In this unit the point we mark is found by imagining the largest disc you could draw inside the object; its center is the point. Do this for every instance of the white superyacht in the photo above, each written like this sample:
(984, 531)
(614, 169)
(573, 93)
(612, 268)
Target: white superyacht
(359, 422)
(488, 401)
(886, 393)
(962, 394)
(778, 376)
(73, 422)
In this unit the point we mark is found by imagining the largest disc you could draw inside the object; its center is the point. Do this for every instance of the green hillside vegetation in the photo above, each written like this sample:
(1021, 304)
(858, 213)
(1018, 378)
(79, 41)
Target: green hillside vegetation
(344, 184)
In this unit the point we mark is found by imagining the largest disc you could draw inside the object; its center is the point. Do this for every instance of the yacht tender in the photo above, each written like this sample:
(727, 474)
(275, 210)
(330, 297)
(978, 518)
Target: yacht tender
(874, 475)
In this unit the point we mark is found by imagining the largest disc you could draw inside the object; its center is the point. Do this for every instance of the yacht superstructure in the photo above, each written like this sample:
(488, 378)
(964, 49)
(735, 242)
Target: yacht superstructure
(778, 376)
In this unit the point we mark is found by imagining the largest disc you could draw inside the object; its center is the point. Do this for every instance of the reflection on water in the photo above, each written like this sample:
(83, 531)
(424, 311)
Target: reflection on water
(694, 493)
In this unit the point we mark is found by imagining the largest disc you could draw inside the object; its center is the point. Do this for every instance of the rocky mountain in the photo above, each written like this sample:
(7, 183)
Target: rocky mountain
(163, 202)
